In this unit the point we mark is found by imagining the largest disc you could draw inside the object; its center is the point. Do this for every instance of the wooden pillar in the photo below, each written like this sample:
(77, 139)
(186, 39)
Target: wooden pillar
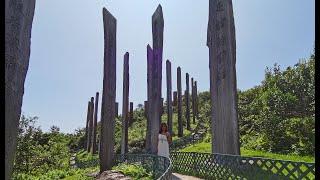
(95, 122)
(125, 104)
(187, 102)
(106, 154)
(87, 124)
(161, 110)
(90, 125)
(193, 102)
(175, 98)
(131, 114)
(221, 41)
(117, 109)
(145, 109)
(169, 96)
(180, 124)
(149, 93)
(154, 80)
(196, 99)
(18, 24)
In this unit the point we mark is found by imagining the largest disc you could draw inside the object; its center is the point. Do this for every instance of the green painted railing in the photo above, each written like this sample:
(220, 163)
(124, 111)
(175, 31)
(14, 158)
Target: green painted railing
(221, 166)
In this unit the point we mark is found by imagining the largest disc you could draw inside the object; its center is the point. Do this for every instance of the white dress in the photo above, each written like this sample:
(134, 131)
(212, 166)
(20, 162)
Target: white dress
(163, 146)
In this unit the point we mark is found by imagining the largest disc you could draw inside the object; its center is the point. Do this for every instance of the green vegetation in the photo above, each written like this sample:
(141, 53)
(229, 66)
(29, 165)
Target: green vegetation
(277, 116)
(276, 120)
(205, 147)
(45, 156)
(135, 171)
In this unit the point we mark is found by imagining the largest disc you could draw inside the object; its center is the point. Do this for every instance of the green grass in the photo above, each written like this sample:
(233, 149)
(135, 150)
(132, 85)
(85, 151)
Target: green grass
(81, 174)
(205, 147)
(290, 157)
(202, 147)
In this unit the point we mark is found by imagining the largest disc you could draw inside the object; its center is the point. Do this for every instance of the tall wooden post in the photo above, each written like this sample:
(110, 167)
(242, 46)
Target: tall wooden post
(146, 109)
(131, 114)
(18, 24)
(117, 109)
(149, 96)
(223, 86)
(162, 106)
(193, 102)
(169, 96)
(180, 124)
(196, 99)
(125, 104)
(90, 125)
(106, 154)
(95, 122)
(161, 110)
(87, 124)
(175, 98)
(187, 102)
(154, 80)
(149, 93)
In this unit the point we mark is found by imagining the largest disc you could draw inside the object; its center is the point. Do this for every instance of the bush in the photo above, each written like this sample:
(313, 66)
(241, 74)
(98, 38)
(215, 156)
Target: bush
(135, 171)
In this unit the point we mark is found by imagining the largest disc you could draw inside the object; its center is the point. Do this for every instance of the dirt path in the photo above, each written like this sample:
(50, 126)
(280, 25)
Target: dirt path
(176, 176)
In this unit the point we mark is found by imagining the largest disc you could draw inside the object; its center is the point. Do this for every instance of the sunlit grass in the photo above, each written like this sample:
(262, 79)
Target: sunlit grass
(205, 147)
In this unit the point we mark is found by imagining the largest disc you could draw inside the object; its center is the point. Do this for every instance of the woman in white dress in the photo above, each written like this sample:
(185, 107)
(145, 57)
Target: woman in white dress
(164, 139)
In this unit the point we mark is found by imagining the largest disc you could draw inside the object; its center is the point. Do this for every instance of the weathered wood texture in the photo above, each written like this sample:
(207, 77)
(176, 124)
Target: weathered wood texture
(125, 104)
(187, 102)
(180, 124)
(223, 86)
(18, 24)
(169, 96)
(193, 101)
(131, 120)
(106, 154)
(90, 125)
(154, 80)
(117, 109)
(87, 124)
(161, 106)
(145, 109)
(196, 99)
(161, 110)
(95, 123)
(149, 91)
(175, 98)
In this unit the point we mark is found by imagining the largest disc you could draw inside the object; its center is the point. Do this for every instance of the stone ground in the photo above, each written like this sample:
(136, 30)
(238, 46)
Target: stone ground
(110, 175)
(176, 176)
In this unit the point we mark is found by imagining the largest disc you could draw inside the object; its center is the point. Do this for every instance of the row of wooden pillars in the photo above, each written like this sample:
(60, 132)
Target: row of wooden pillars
(154, 107)
(91, 134)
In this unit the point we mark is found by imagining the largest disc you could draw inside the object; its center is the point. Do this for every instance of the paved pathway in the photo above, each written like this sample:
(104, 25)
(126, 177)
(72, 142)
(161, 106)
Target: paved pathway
(176, 176)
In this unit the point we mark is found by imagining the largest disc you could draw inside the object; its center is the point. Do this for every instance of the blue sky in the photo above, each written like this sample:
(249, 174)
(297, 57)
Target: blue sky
(66, 61)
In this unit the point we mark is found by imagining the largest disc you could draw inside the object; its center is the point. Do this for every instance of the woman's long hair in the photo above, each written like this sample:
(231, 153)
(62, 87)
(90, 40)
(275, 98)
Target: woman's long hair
(163, 124)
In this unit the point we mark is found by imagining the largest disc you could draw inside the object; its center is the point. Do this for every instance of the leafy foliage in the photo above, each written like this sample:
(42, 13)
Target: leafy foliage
(278, 115)
(40, 153)
(135, 171)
